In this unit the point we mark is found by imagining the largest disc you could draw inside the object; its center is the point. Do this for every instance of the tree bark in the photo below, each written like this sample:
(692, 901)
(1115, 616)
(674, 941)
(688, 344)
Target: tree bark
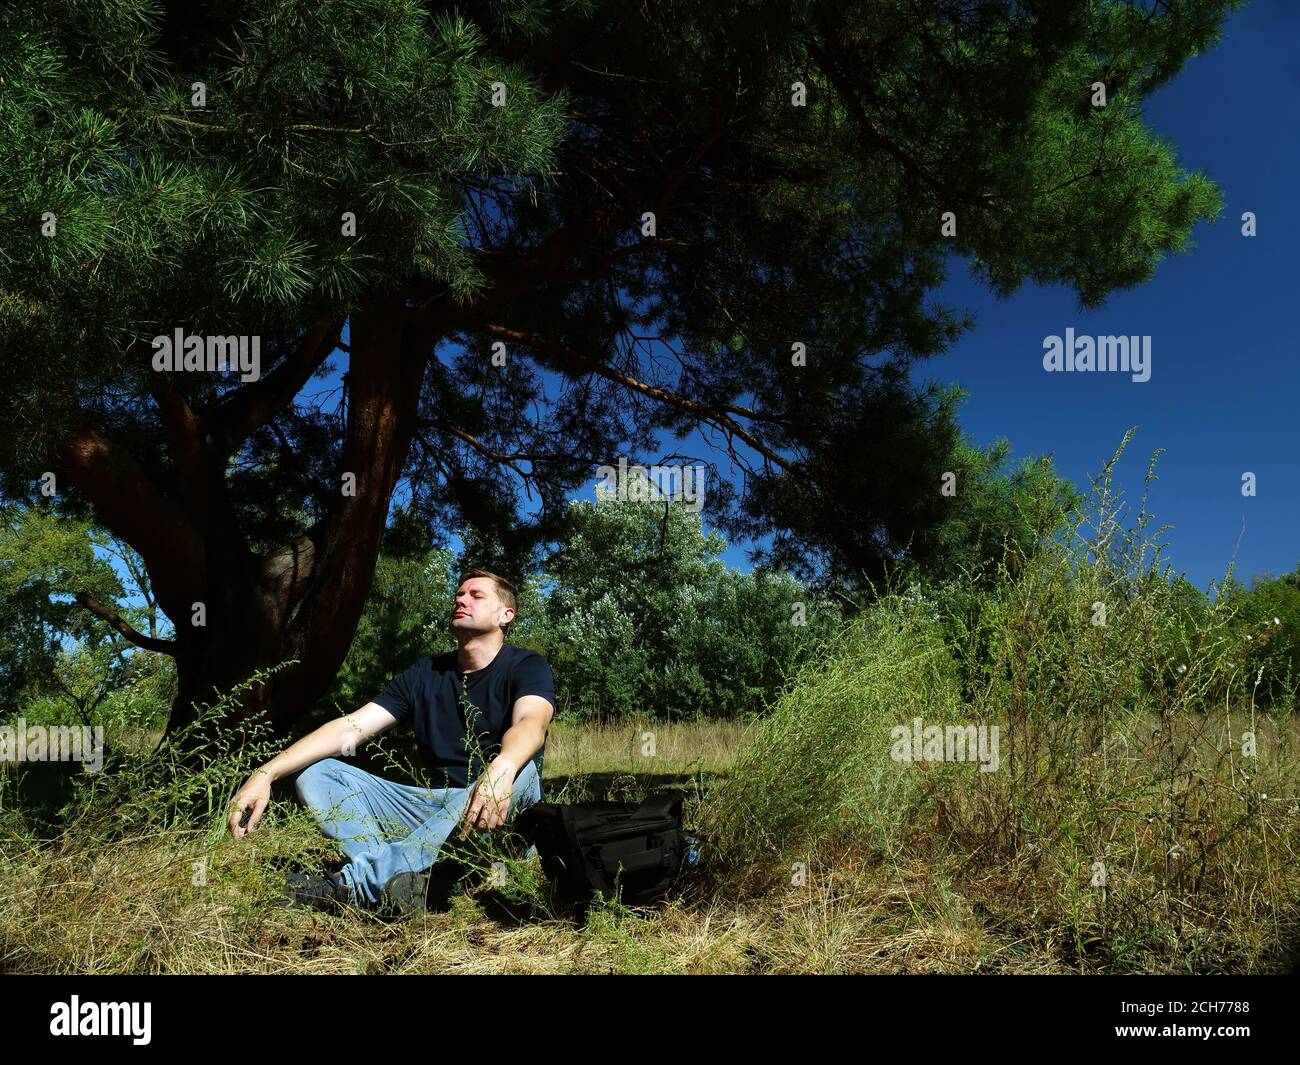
(301, 603)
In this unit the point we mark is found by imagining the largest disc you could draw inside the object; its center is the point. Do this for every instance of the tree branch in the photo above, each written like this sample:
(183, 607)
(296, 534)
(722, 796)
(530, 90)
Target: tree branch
(247, 409)
(129, 504)
(120, 625)
(719, 416)
(872, 133)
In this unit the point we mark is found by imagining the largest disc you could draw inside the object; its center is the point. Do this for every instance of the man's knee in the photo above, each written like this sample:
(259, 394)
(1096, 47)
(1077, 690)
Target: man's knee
(312, 780)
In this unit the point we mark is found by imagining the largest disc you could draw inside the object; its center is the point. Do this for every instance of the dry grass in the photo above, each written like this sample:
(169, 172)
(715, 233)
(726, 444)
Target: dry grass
(134, 908)
(680, 748)
(167, 902)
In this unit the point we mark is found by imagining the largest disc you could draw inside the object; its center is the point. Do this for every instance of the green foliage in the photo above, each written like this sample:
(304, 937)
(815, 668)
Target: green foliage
(1026, 647)
(310, 110)
(993, 515)
(1270, 634)
(643, 617)
(819, 772)
(1094, 621)
(636, 614)
(185, 780)
(60, 663)
(44, 561)
(129, 695)
(1136, 794)
(815, 223)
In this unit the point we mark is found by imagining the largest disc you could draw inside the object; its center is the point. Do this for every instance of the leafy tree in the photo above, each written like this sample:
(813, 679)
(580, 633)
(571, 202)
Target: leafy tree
(651, 208)
(103, 683)
(44, 561)
(643, 617)
(61, 660)
(997, 515)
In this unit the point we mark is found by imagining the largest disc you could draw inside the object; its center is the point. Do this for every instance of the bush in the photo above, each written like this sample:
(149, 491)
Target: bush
(642, 617)
(1270, 615)
(819, 773)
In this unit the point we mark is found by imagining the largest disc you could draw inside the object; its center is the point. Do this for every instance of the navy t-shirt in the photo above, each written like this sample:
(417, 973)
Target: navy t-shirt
(429, 694)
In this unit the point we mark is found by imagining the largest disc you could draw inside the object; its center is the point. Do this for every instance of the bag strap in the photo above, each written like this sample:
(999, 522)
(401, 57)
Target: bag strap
(661, 804)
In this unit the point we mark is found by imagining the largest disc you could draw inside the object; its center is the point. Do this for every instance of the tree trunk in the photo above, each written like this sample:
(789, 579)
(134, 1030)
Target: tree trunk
(244, 631)
(303, 601)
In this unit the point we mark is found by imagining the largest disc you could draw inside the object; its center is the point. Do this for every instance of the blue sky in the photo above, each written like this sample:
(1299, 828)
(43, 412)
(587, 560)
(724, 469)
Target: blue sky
(1224, 322)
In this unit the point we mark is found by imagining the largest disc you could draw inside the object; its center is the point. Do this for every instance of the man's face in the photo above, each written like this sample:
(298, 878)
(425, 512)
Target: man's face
(478, 608)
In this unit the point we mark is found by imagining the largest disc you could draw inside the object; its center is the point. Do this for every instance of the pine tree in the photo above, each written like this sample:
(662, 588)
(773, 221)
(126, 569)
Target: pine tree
(725, 215)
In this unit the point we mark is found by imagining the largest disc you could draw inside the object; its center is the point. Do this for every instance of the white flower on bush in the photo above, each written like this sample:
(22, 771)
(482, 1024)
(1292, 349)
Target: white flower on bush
(915, 597)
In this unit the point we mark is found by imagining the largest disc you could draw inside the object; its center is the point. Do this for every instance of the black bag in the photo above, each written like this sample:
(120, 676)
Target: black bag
(635, 850)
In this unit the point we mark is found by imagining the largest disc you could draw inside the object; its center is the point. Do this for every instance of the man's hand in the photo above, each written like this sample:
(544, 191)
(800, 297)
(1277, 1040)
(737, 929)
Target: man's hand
(255, 795)
(489, 802)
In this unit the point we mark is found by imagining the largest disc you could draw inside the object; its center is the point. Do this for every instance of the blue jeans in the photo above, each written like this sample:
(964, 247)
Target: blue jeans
(386, 828)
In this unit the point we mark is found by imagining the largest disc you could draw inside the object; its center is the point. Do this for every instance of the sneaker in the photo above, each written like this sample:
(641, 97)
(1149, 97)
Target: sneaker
(430, 890)
(406, 892)
(317, 891)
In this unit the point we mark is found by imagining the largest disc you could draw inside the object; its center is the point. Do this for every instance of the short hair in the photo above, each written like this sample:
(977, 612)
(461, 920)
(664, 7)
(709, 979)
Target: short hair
(505, 592)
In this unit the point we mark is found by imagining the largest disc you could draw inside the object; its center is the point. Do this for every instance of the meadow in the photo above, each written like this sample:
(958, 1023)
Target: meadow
(1144, 815)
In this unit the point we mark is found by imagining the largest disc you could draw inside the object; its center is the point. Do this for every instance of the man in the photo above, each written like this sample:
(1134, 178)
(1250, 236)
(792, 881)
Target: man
(480, 713)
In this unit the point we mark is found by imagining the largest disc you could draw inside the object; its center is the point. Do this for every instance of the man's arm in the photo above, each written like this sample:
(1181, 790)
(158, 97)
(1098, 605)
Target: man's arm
(490, 804)
(342, 736)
